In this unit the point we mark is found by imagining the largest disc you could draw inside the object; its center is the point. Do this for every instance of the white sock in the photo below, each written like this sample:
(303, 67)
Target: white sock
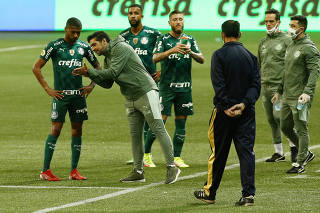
(278, 148)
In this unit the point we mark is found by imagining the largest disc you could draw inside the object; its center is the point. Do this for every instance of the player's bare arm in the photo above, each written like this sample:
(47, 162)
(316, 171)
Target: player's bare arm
(86, 90)
(198, 57)
(56, 94)
(179, 48)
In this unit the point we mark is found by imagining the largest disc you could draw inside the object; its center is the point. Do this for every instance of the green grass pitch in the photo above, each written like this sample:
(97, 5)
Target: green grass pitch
(25, 124)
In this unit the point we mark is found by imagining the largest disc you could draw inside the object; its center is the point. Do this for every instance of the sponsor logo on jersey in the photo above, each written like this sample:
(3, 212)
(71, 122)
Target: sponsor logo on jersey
(149, 31)
(297, 54)
(188, 105)
(144, 40)
(71, 52)
(180, 85)
(43, 52)
(135, 41)
(57, 43)
(73, 62)
(140, 51)
(82, 44)
(80, 51)
(61, 49)
(91, 55)
(84, 110)
(175, 56)
(49, 52)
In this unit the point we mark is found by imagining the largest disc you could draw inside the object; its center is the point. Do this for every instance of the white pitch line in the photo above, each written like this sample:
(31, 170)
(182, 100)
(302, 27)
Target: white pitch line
(63, 187)
(298, 177)
(20, 48)
(126, 191)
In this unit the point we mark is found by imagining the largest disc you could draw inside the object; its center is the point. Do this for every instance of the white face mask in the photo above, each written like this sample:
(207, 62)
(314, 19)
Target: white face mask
(293, 33)
(273, 30)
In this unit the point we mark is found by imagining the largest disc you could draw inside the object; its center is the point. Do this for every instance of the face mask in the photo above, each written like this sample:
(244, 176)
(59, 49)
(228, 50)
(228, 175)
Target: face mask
(293, 33)
(273, 30)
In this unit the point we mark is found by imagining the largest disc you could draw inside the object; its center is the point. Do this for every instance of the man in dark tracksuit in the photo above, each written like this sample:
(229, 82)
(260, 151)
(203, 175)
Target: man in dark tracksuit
(236, 82)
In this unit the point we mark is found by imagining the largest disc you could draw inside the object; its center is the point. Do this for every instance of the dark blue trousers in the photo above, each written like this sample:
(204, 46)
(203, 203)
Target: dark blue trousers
(222, 130)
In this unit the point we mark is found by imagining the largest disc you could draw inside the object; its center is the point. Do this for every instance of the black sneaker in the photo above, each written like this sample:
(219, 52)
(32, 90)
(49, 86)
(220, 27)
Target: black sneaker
(201, 195)
(276, 157)
(296, 169)
(246, 201)
(134, 176)
(309, 158)
(294, 153)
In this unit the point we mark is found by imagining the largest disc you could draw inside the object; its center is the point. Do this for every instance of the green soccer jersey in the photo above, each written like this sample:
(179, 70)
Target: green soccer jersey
(175, 69)
(65, 58)
(143, 44)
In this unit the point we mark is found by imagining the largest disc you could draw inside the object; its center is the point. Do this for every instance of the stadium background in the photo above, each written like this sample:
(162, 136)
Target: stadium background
(25, 110)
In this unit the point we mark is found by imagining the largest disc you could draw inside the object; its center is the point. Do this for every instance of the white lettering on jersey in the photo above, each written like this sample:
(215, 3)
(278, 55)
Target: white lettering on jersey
(140, 51)
(180, 85)
(48, 52)
(73, 62)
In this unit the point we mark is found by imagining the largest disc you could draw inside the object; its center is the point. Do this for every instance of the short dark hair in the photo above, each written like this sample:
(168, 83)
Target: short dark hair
(175, 12)
(136, 5)
(231, 28)
(302, 20)
(273, 11)
(99, 36)
(73, 22)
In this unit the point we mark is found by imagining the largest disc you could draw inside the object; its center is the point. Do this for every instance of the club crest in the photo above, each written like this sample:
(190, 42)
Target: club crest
(135, 41)
(71, 52)
(80, 51)
(144, 40)
(54, 114)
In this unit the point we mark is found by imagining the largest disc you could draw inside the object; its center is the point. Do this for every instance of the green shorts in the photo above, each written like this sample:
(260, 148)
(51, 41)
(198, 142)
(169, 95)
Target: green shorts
(75, 105)
(182, 102)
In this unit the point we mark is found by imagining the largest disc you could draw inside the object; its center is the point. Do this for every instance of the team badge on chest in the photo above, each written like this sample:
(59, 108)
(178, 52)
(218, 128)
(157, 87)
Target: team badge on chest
(80, 51)
(278, 47)
(71, 52)
(144, 40)
(135, 41)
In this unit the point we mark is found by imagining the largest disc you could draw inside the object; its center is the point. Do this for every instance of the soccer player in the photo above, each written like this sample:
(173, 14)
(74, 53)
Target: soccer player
(297, 89)
(271, 52)
(123, 66)
(69, 95)
(236, 81)
(143, 40)
(176, 50)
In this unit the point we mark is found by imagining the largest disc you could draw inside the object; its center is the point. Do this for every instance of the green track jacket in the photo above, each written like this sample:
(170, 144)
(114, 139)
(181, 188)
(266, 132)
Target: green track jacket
(301, 69)
(123, 66)
(271, 52)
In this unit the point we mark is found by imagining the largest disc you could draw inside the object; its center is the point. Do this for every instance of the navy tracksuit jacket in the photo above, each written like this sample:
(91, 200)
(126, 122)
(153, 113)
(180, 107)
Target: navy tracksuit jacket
(236, 79)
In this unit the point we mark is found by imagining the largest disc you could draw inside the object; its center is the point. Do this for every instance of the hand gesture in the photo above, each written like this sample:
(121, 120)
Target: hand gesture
(179, 48)
(56, 94)
(156, 76)
(86, 90)
(81, 71)
(235, 110)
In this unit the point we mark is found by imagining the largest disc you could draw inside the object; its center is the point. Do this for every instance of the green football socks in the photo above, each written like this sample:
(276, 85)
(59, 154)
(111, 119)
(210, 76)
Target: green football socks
(179, 136)
(48, 151)
(76, 150)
